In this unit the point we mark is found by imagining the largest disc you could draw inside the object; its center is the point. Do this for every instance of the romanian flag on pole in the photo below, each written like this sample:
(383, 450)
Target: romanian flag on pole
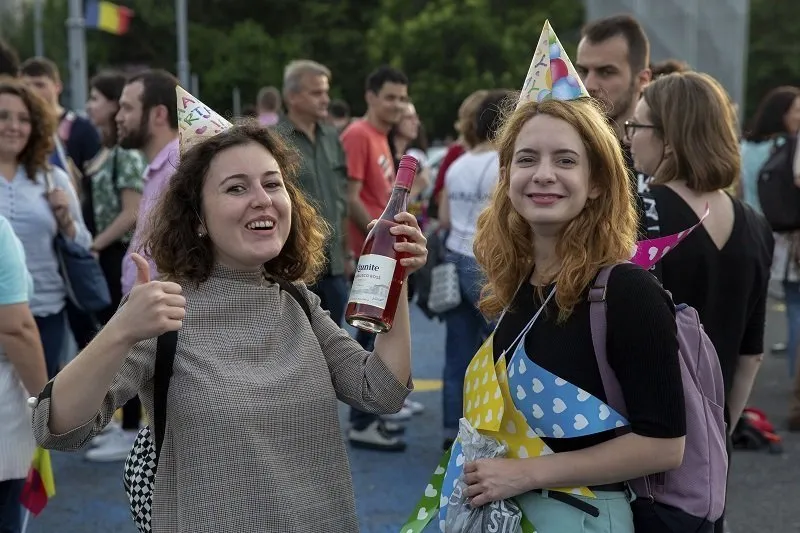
(108, 17)
(40, 485)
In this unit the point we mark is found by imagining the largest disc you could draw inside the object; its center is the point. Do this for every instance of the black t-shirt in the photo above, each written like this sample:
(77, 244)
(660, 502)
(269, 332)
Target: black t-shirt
(649, 226)
(727, 287)
(83, 142)
(642, 349)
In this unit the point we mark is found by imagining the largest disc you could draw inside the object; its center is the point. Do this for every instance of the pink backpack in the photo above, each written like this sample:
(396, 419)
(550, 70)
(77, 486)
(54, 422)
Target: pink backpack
(698, 486)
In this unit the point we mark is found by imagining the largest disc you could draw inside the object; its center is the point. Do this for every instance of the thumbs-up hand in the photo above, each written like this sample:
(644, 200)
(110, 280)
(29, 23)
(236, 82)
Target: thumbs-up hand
(153, 307)
(142, 269)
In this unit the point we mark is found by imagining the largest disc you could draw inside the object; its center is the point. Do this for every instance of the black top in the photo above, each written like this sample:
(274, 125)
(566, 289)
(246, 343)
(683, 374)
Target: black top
(83, 142)
(645, 205)
(642, 349)
(649, 226)
(727, 287)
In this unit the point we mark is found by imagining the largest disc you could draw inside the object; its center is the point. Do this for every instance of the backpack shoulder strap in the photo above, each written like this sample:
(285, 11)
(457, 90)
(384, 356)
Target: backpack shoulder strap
(597, 318)
(292, 289)
(165, 357)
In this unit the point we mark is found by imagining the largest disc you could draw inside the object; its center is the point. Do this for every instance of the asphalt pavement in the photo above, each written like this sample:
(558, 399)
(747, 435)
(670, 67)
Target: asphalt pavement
(764, 489)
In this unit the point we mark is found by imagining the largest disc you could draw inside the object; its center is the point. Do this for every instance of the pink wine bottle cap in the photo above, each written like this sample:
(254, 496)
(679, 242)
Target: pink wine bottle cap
(406, 171)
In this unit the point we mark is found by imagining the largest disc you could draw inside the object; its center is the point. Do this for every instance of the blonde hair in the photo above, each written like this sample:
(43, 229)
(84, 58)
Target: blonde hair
(603, 233)
(467, 123)
(701, 130)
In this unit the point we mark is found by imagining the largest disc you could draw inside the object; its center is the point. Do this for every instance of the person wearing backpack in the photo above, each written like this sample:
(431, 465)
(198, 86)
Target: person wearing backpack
(563, 209)
(773, 130)
(76, 141)
(248, 437)
(722, 269)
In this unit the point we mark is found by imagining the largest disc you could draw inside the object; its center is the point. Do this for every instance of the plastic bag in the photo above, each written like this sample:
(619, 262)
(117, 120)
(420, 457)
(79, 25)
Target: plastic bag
(502, 516)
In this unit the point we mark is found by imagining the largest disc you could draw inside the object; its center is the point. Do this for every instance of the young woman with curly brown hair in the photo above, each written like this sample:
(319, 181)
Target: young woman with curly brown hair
(37, 213)
(252, 439)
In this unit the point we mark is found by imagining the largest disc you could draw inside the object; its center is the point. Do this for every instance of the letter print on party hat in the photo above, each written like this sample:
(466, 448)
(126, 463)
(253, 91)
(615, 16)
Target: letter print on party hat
(483, 402)
(554, 407)
(651, 251)
(196, 121)
(551, 74)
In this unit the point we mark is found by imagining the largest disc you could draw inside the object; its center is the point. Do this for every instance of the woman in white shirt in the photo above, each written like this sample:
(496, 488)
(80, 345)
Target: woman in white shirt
(469, 183)
(38, 211)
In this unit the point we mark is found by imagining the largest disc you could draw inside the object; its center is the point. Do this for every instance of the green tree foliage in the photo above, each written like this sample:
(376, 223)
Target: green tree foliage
(774, 49)
(448, 48)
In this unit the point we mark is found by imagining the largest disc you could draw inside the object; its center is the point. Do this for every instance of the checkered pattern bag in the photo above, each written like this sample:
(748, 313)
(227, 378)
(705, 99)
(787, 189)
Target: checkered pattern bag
(139, 474)
(138, 478)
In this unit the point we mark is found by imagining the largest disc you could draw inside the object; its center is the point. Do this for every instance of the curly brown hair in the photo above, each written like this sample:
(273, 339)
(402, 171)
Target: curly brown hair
(171, 234)
(43, 126)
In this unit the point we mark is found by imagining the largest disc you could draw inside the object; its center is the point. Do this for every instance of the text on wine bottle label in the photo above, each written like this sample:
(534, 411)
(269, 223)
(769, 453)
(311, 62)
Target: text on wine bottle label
(372, 280)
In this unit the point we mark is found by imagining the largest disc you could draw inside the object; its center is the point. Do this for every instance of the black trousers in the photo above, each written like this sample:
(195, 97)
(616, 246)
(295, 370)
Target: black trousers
(85, 327)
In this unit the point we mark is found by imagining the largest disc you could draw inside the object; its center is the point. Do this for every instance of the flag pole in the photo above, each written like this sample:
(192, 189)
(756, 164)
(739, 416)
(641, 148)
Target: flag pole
(182, 23)
(77, 55)
(38, 36)
(25, 521)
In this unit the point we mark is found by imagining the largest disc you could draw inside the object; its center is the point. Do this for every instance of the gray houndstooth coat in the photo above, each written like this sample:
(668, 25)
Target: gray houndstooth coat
(253, 442)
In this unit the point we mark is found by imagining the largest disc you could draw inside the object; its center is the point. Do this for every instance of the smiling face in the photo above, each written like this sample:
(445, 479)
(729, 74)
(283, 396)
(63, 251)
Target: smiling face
(389, 102)
(549, 174)
(15, 125)
(246, 208)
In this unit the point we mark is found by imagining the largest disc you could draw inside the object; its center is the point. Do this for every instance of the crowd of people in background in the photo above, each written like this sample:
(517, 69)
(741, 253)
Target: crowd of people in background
(94, 180)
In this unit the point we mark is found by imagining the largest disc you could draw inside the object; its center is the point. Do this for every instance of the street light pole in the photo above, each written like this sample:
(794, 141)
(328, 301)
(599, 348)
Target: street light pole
(38, 35)
(182, 23)
(78, 74)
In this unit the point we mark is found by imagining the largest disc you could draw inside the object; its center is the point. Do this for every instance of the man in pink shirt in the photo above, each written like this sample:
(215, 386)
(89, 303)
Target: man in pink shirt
(148, 121)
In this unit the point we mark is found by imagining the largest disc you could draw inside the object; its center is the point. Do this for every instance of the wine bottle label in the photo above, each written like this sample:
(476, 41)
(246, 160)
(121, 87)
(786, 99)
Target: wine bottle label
(372, 280)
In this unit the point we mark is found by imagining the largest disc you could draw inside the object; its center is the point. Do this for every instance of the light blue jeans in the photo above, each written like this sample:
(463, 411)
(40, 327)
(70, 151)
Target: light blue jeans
(466, 331)
(791, 290)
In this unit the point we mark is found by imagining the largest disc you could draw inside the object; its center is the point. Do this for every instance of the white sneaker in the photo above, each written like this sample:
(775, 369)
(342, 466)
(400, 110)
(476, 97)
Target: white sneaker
(115, 446)
(403, 414)
(416, 408)
(111, 428)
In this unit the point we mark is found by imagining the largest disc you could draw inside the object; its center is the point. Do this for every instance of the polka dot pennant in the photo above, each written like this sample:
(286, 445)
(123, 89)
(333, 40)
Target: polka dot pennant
(483, 402)
(196, 121)
(426, 508)
(554, 407)
(651, 251)
(551, 74)
(455, 468)
(517, 435)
